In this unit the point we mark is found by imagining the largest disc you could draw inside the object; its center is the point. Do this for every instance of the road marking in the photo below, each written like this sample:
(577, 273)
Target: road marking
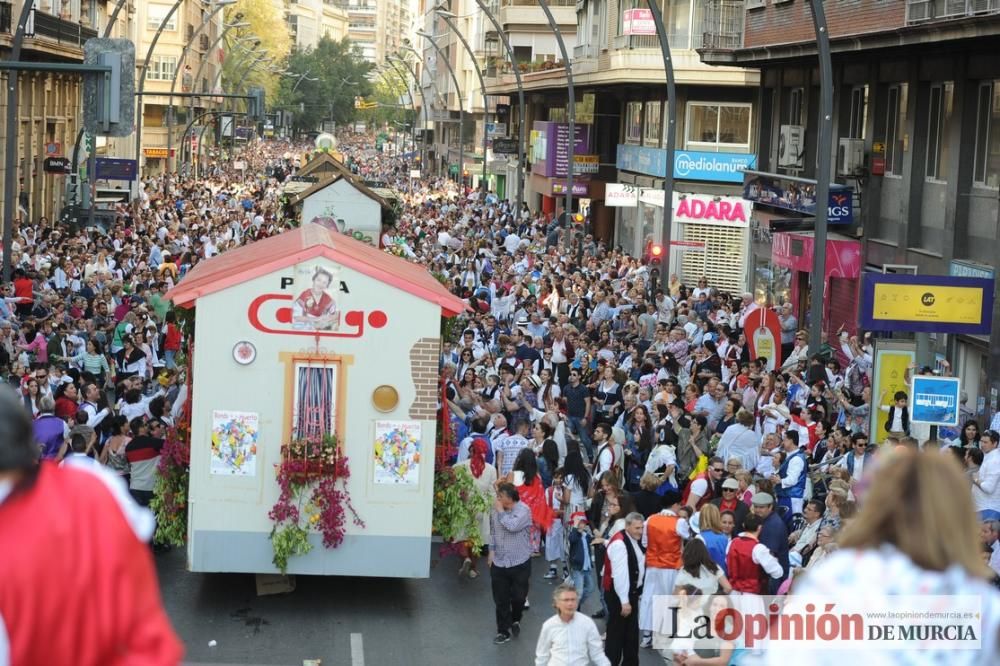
(357, 650)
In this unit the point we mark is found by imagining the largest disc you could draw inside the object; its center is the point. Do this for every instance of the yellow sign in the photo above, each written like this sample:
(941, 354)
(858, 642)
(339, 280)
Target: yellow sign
(155, 152)
(878, 148)
(928, 303)
(890, 376)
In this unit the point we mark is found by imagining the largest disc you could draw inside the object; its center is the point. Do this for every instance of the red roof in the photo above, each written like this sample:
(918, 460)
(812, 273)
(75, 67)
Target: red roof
(302, 244)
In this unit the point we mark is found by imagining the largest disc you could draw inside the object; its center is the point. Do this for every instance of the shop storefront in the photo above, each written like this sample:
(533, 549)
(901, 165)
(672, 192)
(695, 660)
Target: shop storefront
(791, 277)
(972, 352)
(156, 159)
(549, 149)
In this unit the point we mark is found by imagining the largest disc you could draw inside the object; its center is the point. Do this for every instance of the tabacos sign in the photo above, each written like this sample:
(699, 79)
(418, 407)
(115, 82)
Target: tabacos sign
(702, 209)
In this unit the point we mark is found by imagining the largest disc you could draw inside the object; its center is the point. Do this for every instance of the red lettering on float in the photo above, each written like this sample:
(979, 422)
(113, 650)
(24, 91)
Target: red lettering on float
(283, 317)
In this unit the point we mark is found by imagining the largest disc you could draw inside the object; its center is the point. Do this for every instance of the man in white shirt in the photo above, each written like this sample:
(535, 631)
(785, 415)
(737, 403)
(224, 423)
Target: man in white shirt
(624, 571)
(856, 461)
(986, 484)
(569, 638)
(606, 455)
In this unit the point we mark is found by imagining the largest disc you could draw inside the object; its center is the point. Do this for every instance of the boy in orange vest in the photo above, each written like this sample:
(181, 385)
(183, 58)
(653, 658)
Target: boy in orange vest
(663, 537)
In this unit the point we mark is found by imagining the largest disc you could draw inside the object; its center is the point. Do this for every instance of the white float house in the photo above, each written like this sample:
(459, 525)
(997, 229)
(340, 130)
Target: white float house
(313, 332)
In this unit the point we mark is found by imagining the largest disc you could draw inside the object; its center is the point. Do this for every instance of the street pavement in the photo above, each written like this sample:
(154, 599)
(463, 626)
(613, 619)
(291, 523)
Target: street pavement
(442, 621)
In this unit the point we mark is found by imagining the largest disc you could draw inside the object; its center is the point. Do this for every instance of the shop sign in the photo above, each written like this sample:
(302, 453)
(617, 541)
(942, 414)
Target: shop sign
(56, 165)
(579, 189)
(621, 195)
(687, 246)
(157, 153)
(638, 22)
(926, 303)
(799, 195)
(701, 209)
(586, 164)
(688, 164)
(550, 147)
(495, 130)
(971, 269)
(114, 168)
(505, 146)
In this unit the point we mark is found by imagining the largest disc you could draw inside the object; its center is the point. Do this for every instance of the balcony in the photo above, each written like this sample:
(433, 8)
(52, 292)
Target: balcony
(528, 12)
(721, 31)
(924, 11)
(6, 20)
(61, 31)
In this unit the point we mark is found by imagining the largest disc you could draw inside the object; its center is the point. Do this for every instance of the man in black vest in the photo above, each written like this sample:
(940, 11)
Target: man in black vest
(624, 571)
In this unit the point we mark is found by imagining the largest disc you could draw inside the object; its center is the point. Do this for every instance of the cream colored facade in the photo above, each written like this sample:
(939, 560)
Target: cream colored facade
(49, 105)
(378, 27)
(184, 27)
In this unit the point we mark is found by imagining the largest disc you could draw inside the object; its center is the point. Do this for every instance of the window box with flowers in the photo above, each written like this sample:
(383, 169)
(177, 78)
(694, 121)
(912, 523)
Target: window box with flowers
(313, 478)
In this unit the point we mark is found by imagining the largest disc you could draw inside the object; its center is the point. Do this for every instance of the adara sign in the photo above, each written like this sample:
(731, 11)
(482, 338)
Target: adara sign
(703, 209)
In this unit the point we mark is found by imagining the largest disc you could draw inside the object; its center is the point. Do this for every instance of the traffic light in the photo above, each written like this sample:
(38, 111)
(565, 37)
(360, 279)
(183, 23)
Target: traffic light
(578, 218)
(656, 251)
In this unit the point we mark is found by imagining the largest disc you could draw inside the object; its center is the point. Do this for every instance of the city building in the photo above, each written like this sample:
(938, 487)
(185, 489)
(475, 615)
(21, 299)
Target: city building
(620, 138)
(309, 20)
(378, 27)
(49, 104)
(192, 26)
(916, 137)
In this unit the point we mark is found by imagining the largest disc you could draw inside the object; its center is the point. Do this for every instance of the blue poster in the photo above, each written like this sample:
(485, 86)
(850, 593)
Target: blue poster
(935, 400)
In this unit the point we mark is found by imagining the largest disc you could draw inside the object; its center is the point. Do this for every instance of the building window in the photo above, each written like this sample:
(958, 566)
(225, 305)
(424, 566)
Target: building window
(718, 127)
(859, 112)
(987, 167)
(678, 23)
(895, 129)
(155, 15)
(938, 117)
(633, 122)
(651, 131)
(161, 68)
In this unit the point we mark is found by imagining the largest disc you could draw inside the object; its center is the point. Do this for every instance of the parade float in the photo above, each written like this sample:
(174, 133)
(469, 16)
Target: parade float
(314, 390)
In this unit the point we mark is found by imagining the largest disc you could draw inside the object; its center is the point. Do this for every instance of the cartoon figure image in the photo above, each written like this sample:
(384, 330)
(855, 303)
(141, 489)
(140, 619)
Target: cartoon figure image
(315, 309)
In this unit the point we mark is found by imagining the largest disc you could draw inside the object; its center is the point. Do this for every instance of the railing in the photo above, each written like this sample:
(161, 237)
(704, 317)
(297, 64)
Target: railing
(722, 24)
(922, 11)
(62, 31)
(6, 19)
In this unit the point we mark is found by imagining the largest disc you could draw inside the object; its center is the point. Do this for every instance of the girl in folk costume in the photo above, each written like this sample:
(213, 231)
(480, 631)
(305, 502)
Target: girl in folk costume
(525, 476)
(484, 477)
(554, 536)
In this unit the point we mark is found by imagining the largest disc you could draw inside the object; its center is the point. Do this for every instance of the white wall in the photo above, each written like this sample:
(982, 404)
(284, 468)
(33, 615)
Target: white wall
(342, 201)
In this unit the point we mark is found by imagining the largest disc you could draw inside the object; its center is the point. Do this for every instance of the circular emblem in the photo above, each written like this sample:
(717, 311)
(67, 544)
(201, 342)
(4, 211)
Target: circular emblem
(927, 299)
(244, 352)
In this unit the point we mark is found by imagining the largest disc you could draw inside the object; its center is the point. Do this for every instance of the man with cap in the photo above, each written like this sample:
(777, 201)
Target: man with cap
(663, 538)
(730, 501)
(790, 481)
(773, 534)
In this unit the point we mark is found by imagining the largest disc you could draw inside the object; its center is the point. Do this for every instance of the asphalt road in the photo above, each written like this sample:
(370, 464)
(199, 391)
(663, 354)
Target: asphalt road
(443, 620)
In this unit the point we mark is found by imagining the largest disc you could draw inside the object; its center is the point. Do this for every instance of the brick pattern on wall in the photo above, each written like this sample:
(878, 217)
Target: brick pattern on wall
(424, 357)
(791, 22)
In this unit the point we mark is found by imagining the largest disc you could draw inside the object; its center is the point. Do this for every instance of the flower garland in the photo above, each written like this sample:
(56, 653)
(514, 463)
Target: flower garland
(170, 493)
(458, 507)
(313, 478)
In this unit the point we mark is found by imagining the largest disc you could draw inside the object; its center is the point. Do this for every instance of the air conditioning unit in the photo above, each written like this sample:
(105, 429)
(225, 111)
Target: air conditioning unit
(851, 157)
(791, 147)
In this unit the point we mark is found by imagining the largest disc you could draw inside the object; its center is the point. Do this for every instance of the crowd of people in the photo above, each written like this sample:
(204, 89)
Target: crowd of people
(623, 430)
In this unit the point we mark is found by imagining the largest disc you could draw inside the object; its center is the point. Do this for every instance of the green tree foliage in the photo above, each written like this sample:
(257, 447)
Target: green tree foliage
(335, 73)
(267, 25)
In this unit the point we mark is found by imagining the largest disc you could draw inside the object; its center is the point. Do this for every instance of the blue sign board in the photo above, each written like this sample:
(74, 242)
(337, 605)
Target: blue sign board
(799, 195)
(935, 400)
(970, 269)
(926, 303)
(688, 164)
(113, 168)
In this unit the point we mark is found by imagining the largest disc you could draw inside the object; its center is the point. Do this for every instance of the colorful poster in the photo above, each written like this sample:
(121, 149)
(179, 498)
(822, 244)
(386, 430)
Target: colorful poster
(234, 443)
(397, 452)
(763, 331)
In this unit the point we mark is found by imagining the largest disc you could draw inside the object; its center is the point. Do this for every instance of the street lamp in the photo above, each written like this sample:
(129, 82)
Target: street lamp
(570, 117)
(219, 5)
(423, 98)
(458, 92)
(409, 92)
(520, 96)
(669, 140)
(142, 80)
(482, 83)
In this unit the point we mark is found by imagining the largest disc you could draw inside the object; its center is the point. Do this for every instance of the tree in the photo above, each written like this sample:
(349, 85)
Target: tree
(267, 24)
(321, 84)
(393, 98)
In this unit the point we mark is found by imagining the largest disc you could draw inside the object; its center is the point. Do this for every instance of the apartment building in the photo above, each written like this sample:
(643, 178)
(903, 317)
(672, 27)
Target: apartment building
(620, 137)
(192, 24)
(49, 105)
(916, 136)
(309, 20)
(378, 27)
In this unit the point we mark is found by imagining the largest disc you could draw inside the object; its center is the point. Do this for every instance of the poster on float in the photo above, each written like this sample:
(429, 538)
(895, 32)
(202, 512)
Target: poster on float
(234, 443)
(397, 453)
